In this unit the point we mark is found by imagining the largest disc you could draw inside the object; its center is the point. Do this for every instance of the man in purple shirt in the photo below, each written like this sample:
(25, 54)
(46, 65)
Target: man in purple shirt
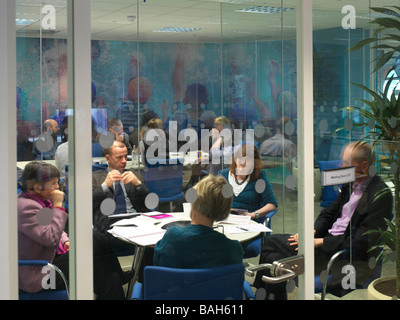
(340, 226)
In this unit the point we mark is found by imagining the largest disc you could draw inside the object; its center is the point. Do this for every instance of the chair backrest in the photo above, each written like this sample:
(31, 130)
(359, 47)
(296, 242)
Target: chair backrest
(221, 283)
(62, 294)
(329, 193)
(99, 166)
(164, 177)
(253, 249)
(97, 150)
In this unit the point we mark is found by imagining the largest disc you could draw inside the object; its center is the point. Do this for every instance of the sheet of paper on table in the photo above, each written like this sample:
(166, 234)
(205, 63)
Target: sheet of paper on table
(253, 227)
(236, 219)
(143, 235)
(130, 222)
(123, 215)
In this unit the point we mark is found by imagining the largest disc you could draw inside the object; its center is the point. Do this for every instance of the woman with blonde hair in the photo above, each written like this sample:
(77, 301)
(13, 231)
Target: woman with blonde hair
(198, 245)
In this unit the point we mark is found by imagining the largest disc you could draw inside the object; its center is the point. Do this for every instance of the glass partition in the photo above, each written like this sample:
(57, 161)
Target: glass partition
(259, 93)
(42, 122)
(188, 83)
(205, 71)
(338, 75)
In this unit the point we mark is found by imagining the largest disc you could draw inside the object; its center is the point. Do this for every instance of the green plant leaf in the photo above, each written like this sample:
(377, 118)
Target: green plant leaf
(383, 60)
(387, 23)
(362, 44)
(385, 10)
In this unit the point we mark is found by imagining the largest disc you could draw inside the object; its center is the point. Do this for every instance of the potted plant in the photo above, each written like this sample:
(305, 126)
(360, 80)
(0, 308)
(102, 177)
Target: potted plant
(381, 122)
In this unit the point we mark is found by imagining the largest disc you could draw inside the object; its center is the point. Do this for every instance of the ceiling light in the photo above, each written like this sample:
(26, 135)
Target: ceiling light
(131, 18)
(263, 9)
(24, 22)
(176, 29)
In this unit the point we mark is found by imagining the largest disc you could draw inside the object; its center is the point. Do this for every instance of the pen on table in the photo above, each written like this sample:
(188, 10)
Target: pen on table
(244, 229)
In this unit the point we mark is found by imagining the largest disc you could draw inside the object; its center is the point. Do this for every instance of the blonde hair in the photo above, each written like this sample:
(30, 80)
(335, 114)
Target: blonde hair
(211, 202)
(154, 123)
(221, 120)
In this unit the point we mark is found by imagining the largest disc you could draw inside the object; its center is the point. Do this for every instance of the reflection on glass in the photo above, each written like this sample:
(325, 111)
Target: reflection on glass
(41, 128)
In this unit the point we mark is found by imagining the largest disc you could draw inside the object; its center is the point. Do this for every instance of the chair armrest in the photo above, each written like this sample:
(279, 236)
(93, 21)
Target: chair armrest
(39, 263)
(328, 269)
(270, 214)
(333, 259)
(137, 291)
(42, 263)
(248, 293)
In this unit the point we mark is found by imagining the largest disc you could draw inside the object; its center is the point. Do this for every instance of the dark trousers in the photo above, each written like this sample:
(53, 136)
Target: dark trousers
(129, 249)
(107, 272)
(276, 247)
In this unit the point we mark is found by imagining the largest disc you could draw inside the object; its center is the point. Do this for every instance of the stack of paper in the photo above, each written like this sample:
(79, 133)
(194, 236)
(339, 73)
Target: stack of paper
(236, 219)
(144, 235)
(251, 227)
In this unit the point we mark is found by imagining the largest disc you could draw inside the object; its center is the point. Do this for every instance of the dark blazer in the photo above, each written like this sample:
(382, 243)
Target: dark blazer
(137, 196)
(368, 215)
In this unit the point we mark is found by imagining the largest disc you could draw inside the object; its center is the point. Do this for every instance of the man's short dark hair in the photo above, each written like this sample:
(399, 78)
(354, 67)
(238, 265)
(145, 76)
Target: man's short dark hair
(114, 122)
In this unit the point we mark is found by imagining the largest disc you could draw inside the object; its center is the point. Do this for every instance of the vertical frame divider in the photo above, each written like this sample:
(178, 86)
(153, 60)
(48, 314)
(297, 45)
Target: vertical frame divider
(305, 113)
(8, 161)
(80, 155)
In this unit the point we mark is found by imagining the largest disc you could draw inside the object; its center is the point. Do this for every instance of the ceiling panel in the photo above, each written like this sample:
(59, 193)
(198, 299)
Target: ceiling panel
(110, 20)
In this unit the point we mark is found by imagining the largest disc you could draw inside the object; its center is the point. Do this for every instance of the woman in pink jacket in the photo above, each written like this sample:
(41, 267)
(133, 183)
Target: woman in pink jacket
(41, 236)
(41, 222)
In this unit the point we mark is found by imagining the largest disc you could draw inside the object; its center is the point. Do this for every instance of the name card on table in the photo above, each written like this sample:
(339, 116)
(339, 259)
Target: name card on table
(338, 176)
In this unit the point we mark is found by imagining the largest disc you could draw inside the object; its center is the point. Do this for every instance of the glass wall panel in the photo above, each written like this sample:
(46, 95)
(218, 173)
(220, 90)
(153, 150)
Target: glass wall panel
(215, 78)
(185, 84)
(338, 74)
(260, 92)
(42, 109)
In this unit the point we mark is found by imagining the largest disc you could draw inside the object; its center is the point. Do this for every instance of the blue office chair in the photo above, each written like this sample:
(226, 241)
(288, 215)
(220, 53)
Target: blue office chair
(95, 167)
(329, 193)
(99, 166)
(164, 178)
(44, 294)
(97, 150)
(254, 248)
(221, 283)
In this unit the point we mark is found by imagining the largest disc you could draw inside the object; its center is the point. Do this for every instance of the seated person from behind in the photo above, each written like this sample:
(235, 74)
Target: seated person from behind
(223, 147)
(104, 182)
(340, 226)
(116, 127)
(279, 145)
(198, 245)
(243, 176)
(153, 141)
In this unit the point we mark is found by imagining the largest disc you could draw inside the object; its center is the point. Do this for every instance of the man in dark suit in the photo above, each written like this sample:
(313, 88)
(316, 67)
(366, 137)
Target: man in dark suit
(104, 183)
(340, 226)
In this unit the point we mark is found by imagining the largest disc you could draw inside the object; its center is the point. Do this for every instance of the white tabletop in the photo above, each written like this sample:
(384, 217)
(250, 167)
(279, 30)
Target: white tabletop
(147, 231)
